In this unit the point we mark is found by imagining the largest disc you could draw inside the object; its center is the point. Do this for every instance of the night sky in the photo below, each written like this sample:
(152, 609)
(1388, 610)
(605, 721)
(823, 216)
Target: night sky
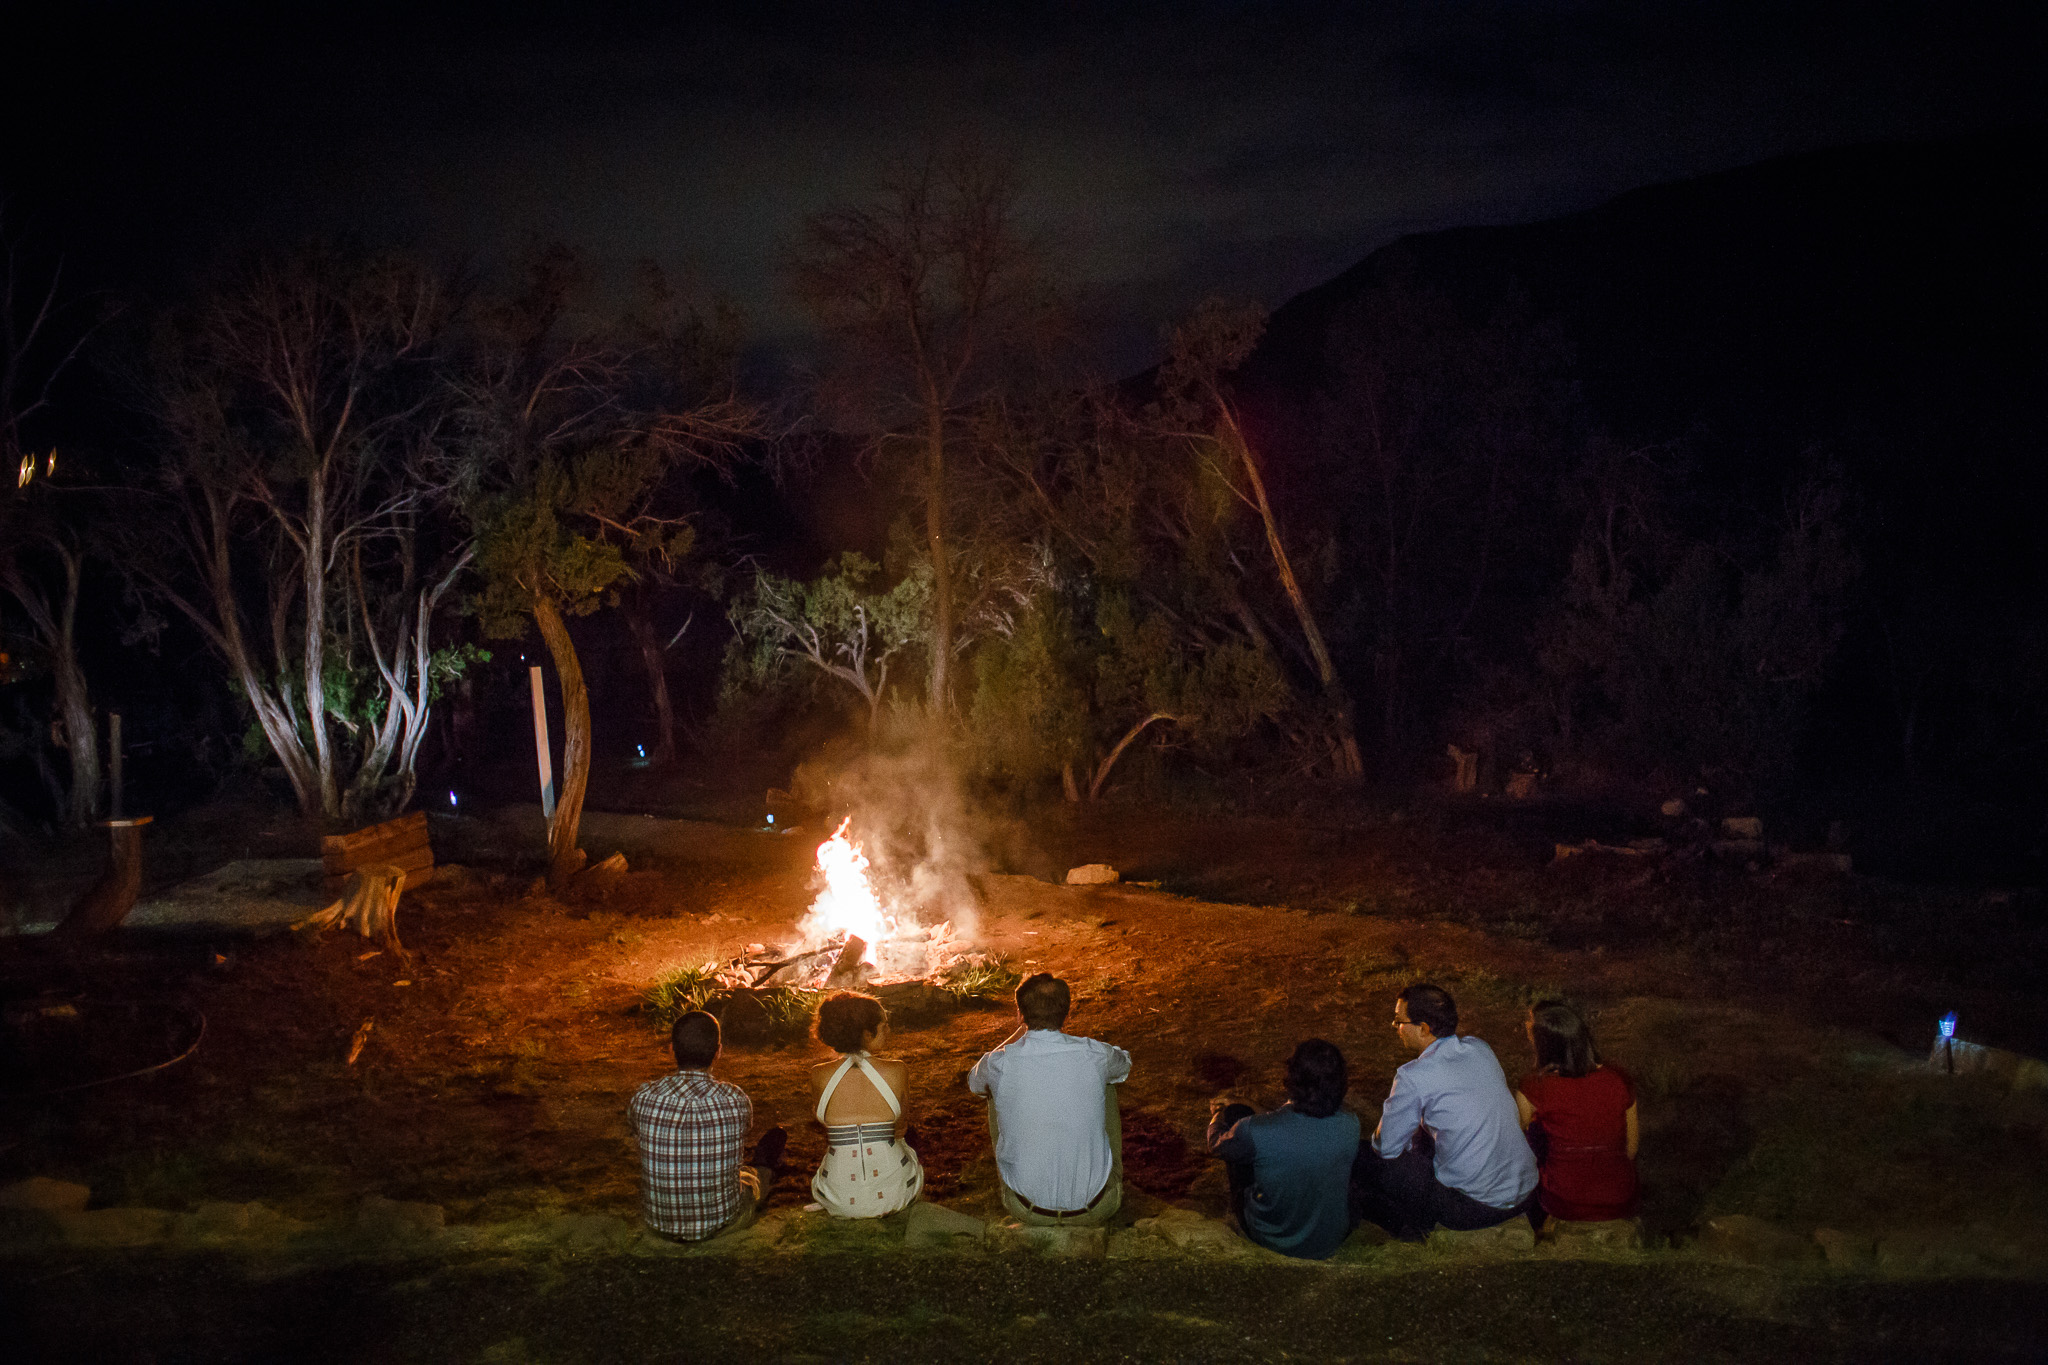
(1168, 151)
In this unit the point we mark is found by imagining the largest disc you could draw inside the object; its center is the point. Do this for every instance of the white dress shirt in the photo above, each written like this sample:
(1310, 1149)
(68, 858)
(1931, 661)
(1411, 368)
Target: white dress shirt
(1048, 1091)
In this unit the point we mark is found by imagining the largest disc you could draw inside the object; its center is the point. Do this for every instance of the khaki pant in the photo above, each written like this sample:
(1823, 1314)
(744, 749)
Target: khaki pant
(1112, 1199)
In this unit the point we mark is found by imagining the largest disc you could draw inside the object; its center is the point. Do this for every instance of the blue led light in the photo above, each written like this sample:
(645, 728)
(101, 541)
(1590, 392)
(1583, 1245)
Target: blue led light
(1948, 1024)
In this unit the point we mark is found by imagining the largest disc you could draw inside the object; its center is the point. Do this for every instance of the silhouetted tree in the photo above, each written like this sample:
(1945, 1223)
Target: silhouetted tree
(931, 297)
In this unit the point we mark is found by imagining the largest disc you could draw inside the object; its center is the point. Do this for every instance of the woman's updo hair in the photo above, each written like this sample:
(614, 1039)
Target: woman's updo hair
(1564, 1044)
(847, 1018)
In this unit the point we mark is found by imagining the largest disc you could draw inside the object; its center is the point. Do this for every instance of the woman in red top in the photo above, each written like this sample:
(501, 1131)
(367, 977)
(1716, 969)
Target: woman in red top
(1581, 1121)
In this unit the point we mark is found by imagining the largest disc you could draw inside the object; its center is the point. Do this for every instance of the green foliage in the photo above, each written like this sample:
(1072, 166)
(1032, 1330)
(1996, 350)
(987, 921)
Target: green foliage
(553, 534)
(838, 624)
(1219, 691)
(981, 976)
(679, 990)
(1677, 656)
(1030, 714)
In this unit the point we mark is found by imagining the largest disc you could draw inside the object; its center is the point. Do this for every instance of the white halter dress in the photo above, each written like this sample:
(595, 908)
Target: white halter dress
(867, 1171)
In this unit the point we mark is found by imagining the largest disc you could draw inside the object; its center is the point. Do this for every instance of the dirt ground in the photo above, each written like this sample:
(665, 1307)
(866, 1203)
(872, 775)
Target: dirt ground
(1775, 1026)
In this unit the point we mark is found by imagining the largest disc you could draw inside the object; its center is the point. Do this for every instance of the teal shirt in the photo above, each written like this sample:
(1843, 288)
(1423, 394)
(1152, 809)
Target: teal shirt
(1299, 1203)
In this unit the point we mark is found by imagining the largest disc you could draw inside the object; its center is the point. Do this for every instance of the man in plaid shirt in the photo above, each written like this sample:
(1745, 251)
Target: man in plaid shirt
(690, 1128)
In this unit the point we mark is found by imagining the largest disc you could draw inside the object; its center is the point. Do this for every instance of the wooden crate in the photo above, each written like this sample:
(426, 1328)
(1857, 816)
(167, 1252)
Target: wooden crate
(402, 843)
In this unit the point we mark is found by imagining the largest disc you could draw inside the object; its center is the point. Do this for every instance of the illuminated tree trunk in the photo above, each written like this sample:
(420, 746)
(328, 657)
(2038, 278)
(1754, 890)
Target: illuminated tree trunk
(1348, 761)
(565, 859)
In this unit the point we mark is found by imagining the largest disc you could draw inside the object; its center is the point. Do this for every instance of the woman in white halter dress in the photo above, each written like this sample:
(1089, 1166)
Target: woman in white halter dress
(868, 1170)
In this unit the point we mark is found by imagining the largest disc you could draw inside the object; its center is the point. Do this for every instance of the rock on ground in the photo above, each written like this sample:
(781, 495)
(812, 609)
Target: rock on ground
(46, 1195)
(1619, 1234)
(935, 1227)
(1093, 874)
(1090, 1243)
(1846, 1250)
(1514, 1235)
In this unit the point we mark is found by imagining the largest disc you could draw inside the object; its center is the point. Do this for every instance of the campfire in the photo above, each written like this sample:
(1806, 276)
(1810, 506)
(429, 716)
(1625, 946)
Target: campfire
(852, 936)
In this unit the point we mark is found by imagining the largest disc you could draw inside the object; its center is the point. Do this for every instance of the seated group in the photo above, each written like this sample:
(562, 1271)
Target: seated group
(1454, 1148)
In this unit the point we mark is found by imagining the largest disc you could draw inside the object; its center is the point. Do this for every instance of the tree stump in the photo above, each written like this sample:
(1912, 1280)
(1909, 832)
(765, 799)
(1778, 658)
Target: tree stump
(368, 905)
(114, 895)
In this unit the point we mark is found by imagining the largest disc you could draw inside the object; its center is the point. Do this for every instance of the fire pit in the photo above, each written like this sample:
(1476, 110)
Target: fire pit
(851, 938)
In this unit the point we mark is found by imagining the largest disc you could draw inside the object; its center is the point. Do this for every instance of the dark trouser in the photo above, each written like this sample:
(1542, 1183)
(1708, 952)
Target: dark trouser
(1239, 1173)
(1404, 1196)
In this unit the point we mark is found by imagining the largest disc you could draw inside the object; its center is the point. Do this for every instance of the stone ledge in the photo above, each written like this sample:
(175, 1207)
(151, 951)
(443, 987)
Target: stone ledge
(1517, 1234)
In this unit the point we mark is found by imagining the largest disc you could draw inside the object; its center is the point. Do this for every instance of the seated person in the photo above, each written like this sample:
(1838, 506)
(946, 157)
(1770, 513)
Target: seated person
(690, 1128)
(1290, 1170)
(1448, 1150)
(1053, 1115)
(1580, 1116)
(868, 1169)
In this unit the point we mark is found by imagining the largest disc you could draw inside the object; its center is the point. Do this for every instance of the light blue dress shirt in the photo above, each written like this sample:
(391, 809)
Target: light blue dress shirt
(1457, 1092)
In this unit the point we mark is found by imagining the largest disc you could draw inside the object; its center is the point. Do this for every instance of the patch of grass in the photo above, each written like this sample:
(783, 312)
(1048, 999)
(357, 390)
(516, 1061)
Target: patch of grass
(790, 1009)
(981, 976)
(679, 990)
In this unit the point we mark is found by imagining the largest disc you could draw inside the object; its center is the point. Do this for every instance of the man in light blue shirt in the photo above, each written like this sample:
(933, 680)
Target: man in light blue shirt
(1052, 1112)
(1449, 1150)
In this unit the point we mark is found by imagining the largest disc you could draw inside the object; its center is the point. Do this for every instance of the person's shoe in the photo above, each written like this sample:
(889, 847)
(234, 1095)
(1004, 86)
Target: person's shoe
(768, 1151)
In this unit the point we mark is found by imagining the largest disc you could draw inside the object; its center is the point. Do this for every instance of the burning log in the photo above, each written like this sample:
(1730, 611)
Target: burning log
(796, 970)
(849, 973)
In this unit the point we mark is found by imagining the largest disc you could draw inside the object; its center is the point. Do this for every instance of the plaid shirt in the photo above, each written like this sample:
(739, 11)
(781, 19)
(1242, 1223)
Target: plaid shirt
(690, 1129)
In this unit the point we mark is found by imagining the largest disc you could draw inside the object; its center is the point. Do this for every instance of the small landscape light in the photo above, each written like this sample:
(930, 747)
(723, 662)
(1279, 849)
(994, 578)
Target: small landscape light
(451, 798)
(1948, 1024)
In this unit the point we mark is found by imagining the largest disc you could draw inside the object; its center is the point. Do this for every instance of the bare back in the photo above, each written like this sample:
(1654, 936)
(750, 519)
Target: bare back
(856, 1100)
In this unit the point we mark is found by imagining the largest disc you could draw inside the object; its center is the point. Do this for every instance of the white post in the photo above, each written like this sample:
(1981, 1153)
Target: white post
(114, 755)
(540, 745)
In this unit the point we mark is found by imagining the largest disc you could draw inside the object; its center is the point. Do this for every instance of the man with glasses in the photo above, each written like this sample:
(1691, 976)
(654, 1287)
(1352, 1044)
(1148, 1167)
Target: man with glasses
(1449, 1149)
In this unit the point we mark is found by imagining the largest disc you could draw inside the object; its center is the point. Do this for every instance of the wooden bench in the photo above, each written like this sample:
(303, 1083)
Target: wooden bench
(400, 843)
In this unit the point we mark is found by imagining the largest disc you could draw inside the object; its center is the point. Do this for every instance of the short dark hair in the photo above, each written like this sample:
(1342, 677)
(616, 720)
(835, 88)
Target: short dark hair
(1316, 1078)
(846, 1019)
(1044, 1001)
(1432, 1005)
(1563, 1042)
(695, 1038)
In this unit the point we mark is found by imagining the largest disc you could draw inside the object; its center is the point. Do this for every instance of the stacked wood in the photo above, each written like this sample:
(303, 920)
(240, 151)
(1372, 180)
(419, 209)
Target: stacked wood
(400, 843)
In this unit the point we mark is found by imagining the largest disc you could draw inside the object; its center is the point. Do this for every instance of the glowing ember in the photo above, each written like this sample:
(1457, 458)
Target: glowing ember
(847, 905)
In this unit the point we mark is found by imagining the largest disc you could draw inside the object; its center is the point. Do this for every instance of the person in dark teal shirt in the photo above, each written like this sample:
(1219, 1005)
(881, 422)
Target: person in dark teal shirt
(1290, 1170)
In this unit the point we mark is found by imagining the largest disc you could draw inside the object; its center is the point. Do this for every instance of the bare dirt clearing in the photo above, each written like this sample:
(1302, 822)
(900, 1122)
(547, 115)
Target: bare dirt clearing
(494, 1078)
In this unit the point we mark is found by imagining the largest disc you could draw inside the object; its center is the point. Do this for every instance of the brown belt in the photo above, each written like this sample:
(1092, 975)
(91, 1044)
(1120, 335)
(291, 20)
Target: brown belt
(1064, 1213)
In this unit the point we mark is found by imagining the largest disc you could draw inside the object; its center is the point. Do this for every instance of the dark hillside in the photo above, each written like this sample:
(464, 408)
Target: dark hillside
(1878, 310)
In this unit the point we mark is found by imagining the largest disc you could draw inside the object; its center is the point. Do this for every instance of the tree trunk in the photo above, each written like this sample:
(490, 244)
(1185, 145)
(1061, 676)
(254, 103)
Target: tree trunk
(565, 859)
(1349, 763)
(315, 575)
(640, 620)
(56, 625)
(935, 538)
(1102, 772)
(114, 895)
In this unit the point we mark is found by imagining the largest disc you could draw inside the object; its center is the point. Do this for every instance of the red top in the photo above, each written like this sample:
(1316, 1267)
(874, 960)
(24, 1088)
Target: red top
(1581, 1139)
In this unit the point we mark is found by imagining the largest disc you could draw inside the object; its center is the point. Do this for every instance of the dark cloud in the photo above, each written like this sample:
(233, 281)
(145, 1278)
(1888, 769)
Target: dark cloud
(1255, 148)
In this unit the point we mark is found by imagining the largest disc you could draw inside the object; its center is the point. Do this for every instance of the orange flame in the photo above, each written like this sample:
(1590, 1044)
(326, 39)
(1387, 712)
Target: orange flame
(848, 904)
